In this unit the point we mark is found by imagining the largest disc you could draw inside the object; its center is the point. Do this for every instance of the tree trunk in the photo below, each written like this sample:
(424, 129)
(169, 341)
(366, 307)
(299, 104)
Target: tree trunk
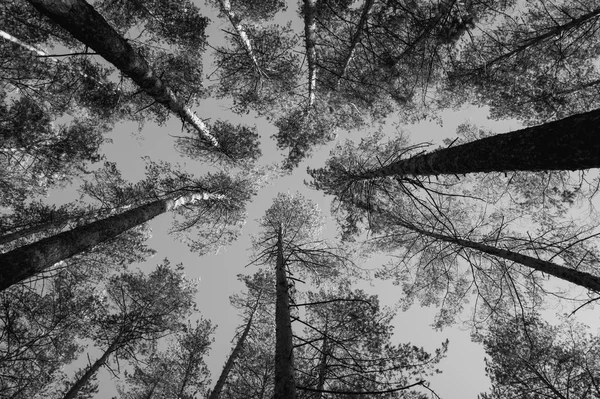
(310, 37)
(239, 28)
(234, 355)
(568, 144)
(323, 363)
(29, 260)
(577, 277)
(355, 39)
(72, 393)
(89, 27)
(285, 386)
(556, 31)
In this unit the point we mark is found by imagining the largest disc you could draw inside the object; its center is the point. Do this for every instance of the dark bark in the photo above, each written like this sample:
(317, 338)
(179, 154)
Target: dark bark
(583, 279)
(72, 393)
(29, 260)
(554, 32)
(89, 27)
(571, 143)
(323, 364)
(285, 385)
(355, 39)
(234, 355)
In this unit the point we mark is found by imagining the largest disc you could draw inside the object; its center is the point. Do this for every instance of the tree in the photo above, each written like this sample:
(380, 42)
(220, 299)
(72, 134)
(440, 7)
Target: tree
(259, 294)
(137, 311)
(38, 334)
(218, 195)
(36, 156)
(346, 348)
(566, 144)
(288, 241)
(89, 27)
(530, 358)
(533, 66)
(179, 371)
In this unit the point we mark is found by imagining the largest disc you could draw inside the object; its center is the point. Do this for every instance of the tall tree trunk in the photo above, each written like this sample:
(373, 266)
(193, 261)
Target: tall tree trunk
(568, 144)
(26, 261)
(89, 27)
(310, 37)
(234, 355)
(239, 28)
(577, 277)
(285, 385)
(323, 363)
(72, 393)
(554, 32)
(355, 39)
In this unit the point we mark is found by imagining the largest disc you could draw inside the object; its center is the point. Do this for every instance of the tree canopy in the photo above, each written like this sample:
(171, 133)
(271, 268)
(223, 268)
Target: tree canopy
(115, 114)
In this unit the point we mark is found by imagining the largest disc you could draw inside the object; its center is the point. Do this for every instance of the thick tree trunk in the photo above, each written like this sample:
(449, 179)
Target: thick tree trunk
(355, 39)
(285, 385)
(571, 143)
(234, 355)
(239, 28)
(310, 37)
(72, 393)
(24, 262)
(5, 239)
(89, 27)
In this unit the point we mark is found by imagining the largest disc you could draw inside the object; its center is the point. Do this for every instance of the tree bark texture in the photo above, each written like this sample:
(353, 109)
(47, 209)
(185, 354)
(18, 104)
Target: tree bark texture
(571, 143)
(28, 260)
(89, 27)
(285, 385)
(239, 28)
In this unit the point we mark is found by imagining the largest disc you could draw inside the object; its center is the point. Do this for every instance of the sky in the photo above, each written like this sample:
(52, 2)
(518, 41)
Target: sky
(463, 369)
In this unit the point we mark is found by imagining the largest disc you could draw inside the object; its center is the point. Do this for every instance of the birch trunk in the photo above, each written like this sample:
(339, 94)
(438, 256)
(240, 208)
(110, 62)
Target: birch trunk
(72, 393)
(239, 28)
(234, 355)
(29, 260)
(568, 144)
(89, 27)
(285, 386)
(310, 37)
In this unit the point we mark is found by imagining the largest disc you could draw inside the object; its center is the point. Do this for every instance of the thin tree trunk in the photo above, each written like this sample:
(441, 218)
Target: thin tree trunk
(310, 37)
(72, 393)
(239, 28)
(29, 260)
(355, 39)
(568, 144)
(556, 31)
(89, 27)
(323, 363)
(234, 355)
(577, 277)
(285, 385)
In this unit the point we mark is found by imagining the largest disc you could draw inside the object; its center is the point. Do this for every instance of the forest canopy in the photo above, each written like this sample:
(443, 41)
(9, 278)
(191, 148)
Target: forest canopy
(302, 147)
